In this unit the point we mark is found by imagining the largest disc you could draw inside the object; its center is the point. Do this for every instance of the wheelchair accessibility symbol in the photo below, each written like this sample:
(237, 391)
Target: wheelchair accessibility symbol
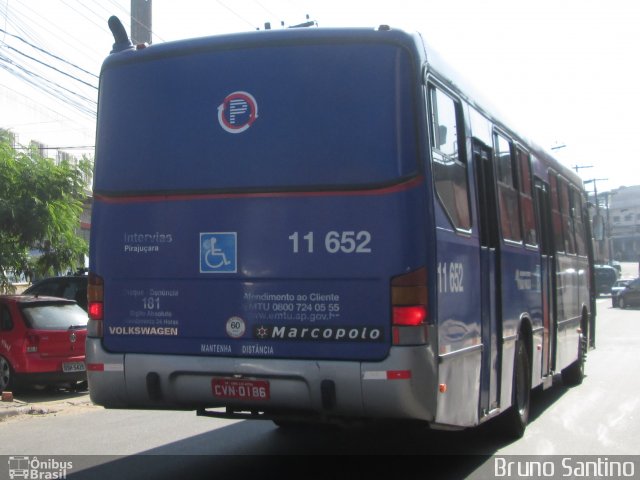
(218, 252)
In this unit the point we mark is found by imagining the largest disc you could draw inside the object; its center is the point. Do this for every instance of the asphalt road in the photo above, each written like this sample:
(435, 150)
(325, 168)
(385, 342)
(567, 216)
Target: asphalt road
(601, 417)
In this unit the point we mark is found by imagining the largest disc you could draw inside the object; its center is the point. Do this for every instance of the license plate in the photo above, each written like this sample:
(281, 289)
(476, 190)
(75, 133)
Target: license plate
(238, 389)
(71, 367)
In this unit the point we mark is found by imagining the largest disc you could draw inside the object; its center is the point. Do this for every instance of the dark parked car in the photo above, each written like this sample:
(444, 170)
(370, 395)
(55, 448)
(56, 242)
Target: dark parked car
(71, 287)
(615, 264)
(629, 296)
(606, 276)
(618, 287)
(41, 341)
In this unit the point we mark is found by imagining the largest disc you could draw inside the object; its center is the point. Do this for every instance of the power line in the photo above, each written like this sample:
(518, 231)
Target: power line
(126, 12)
(101, 26)
(49, 66)
(47, 53)
(45, 75)
(33, 18)
(219, 2)
(6, 14)
(50, 87)
(10, 21)
(134, 19)
(265, 8)
(46, 85)
(39, 81)
(54, 114)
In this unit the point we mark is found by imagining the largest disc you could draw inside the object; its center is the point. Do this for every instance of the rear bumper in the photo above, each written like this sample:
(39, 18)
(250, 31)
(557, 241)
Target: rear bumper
(49, 378)
(402, 386)
(35, 364)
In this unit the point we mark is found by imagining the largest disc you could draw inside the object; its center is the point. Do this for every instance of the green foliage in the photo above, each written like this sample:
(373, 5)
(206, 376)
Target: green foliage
(40, 207)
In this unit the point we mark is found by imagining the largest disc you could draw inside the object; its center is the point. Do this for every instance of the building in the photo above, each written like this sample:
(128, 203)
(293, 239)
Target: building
(623, 221)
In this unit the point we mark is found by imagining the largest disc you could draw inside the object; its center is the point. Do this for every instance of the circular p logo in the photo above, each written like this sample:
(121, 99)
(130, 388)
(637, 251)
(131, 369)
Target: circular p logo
(237, 112)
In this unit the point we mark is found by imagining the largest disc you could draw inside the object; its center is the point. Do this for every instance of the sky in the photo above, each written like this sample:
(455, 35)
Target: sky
(564, 73)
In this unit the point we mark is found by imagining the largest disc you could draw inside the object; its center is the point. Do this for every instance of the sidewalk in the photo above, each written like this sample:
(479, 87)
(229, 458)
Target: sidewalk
(42, 403)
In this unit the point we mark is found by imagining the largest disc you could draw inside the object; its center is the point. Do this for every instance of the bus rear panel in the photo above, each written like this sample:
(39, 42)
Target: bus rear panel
(258, 234)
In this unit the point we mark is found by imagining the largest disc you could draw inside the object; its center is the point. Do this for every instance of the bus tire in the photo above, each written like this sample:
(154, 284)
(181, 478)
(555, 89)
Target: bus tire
(574, 373)
(292, 425)
(515, 419)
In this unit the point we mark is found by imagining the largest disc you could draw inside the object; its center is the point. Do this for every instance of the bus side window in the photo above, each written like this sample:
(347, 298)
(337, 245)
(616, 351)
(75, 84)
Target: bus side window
(507, 193)
(578, 222)
(449, 164)
(526, 200)
(567, 219)
(555, 212)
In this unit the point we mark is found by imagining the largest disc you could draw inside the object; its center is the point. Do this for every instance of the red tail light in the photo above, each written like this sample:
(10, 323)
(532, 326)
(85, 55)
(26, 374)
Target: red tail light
(96, 310)
(409, 308)
(409, 316)
(32, 343)
(95, 296)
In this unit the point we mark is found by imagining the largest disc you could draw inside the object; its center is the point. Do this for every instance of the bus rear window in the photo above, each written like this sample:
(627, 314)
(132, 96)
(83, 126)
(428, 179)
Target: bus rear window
(277, 117)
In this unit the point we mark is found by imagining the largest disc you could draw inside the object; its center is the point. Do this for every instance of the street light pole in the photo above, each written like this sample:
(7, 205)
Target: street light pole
(608, 226)
(578, 167)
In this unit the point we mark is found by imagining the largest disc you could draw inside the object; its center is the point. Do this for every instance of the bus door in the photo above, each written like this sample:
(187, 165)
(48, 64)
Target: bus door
(547, 262)
(489, 276)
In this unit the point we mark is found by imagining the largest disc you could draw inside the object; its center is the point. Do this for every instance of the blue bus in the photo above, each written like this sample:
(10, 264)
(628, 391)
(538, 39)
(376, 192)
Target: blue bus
(320, 225)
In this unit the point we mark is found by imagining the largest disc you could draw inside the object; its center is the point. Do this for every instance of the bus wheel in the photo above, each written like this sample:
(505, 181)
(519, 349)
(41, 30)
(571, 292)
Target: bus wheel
(574, 373)
(515, 419)
(286, 424)
(292, 425)
(6, 374)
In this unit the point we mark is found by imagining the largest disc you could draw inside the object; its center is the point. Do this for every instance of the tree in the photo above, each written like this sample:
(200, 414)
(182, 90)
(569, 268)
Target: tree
(40, 207)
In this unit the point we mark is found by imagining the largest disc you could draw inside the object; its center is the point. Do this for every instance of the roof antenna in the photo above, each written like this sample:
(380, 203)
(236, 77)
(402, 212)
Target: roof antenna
(120, 36)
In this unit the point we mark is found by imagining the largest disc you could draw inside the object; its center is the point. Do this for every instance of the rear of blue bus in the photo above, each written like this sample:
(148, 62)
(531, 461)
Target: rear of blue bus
(260, 229)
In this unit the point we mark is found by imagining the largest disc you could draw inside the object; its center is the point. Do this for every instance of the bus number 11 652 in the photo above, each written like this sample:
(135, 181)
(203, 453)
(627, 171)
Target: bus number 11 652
(334, 242)
(450, 277)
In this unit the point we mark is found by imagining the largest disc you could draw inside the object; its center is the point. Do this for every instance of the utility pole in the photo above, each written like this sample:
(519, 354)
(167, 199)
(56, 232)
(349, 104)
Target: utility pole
(140, 21)
(602, 255)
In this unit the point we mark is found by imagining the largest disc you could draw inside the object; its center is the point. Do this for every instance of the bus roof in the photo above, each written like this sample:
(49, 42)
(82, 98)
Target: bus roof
(285, 37)
(414, 43)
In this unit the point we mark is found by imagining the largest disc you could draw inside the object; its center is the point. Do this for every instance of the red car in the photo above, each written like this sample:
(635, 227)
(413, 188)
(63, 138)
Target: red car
(42, 341)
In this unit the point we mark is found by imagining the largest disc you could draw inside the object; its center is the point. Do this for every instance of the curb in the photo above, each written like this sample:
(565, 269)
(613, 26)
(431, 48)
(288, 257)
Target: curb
(17, 407)
(12, 411)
